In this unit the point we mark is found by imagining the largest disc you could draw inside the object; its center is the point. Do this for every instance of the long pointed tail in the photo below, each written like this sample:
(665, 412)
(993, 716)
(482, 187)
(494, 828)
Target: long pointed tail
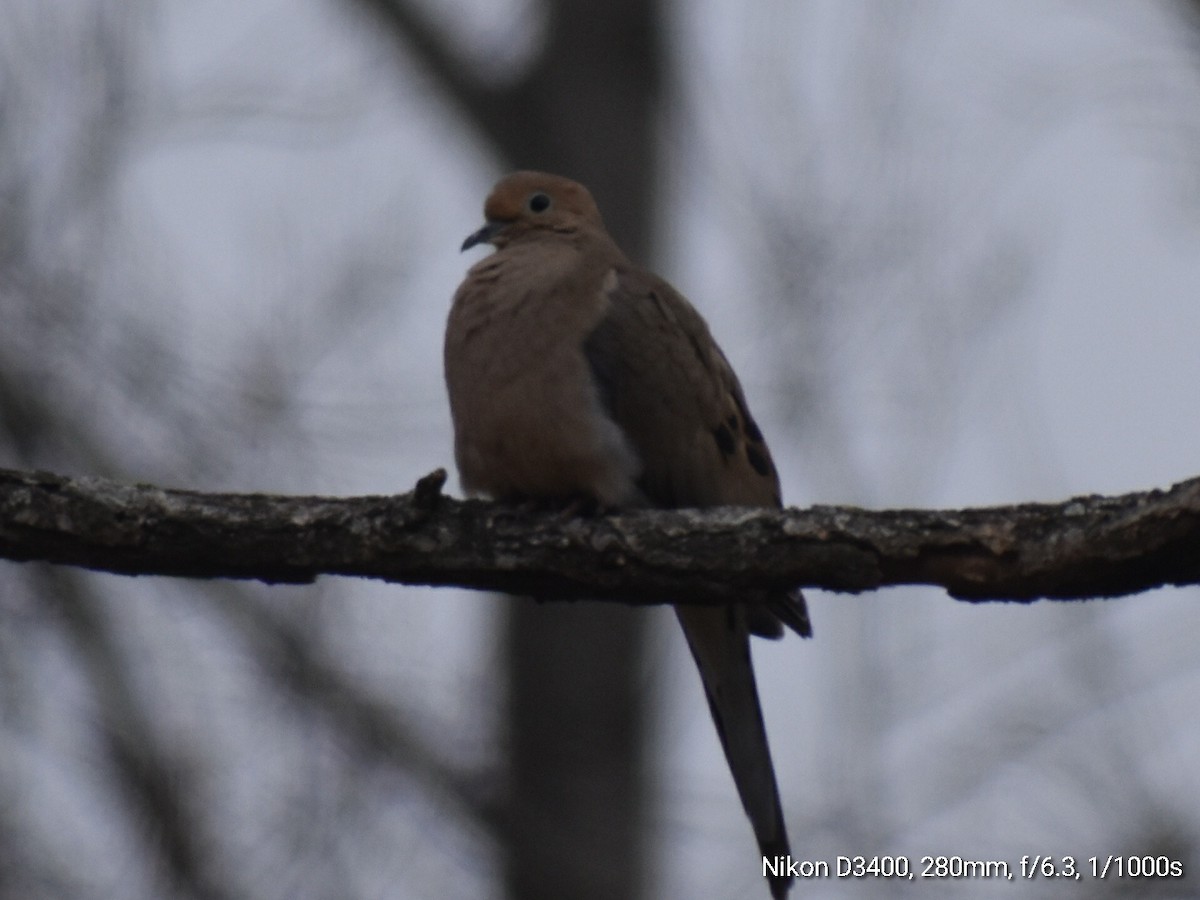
(720, 643)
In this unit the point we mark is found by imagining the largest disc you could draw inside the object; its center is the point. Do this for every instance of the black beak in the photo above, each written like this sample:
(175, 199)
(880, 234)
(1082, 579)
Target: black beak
(483, 235)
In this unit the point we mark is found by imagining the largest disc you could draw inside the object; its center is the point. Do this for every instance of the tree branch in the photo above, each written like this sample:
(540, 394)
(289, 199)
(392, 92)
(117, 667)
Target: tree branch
(1085, 547)
(453, 75)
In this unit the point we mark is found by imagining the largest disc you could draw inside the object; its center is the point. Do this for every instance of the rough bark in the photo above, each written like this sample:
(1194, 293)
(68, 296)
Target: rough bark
(1089, 546)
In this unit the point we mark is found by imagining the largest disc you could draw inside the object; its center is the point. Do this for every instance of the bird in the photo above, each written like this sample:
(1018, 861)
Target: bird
(575, 376)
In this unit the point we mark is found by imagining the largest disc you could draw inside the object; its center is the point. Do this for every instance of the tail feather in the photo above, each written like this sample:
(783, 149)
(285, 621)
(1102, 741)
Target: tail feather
(720, 643)
(792, 612)
(767, 619)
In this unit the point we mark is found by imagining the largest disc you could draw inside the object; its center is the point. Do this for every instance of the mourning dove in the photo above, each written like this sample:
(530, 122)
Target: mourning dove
(575, 375)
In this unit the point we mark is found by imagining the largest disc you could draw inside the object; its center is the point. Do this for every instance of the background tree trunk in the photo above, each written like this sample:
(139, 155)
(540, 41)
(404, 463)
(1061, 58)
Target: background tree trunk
(585, 107)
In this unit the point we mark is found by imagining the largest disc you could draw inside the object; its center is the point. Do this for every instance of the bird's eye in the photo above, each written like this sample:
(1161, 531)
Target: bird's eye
(539, 202)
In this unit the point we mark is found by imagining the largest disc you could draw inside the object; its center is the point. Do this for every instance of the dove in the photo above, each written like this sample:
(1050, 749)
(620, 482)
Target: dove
(574, 376)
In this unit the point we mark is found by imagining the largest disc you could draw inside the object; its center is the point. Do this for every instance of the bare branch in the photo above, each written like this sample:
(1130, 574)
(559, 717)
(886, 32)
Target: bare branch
(379, 731)
(1086, 547)
(152, 778)
(432, 49)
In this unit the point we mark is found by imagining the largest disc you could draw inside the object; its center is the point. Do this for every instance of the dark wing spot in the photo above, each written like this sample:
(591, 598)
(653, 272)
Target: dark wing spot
(733, 422)
(725, 440)
(752, 431)
(756, 449)
(760, 462)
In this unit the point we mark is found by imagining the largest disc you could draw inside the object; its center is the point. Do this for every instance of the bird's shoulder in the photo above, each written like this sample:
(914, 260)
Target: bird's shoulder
(668, 385)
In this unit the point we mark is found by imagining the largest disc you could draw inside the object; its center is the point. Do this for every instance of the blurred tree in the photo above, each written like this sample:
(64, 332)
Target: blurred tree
(584, 104)
(573, 818)
(53, 244)
(110, 776)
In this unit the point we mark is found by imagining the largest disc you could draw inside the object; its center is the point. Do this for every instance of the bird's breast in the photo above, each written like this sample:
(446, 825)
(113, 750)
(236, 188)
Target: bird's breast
(527, 417)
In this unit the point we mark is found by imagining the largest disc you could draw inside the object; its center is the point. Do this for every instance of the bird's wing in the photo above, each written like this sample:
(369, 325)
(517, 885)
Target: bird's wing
(667, 385)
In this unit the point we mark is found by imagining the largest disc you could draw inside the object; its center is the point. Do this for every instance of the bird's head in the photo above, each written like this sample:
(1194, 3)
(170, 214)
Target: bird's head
(525, 202)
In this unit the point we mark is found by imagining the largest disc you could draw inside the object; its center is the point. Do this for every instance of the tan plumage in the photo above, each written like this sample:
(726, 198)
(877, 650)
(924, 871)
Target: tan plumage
(572, 375)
